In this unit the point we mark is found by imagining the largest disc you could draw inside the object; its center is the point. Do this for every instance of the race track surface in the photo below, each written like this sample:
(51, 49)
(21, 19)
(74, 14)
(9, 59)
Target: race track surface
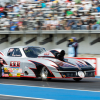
(89, 84)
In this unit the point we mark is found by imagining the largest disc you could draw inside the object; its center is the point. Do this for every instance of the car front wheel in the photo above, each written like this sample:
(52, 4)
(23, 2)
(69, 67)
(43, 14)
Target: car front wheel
(44, 74)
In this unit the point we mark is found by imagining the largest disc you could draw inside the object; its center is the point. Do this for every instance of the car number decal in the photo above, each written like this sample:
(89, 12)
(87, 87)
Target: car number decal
(15, 64)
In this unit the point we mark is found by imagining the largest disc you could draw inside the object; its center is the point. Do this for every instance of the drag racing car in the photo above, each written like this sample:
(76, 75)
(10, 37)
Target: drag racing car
(34, 62)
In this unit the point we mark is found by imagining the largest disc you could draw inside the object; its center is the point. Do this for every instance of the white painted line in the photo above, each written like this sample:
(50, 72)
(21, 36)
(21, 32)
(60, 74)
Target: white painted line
(50, 87)
(24, 97)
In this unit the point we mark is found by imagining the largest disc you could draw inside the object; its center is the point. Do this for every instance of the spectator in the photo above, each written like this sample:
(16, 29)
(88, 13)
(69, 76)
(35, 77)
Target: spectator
(56, 1)
(21, 1)
(96, 2)
(70, 3)
(76, 13)
(14, 27)
(61, 2)
(77, 24)
(20, 25)
(92, 21)
(82, 7)
(63, 24)
(20, 6)
(8, 6)
(54, 6)
(70, 22)
(25, 15)
(16, 8)
(54, 24)
(39, 24)
(98, 8)
(1, 14)
(11, 22)
(7, 23)
(71, 50)
(88, 6)
(5, 12)
(48, 4)
(75, 45)
(96, 26)
(77, 1)
(24, 23)
(64, 13)
(69, 13)
(47, 24)
(85, 24)
(39, 5)
(1, 8)
(93, 9)
(41, 14)
(43, 4)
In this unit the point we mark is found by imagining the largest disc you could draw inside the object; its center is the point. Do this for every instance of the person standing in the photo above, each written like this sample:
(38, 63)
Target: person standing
(71, 50)
(75, 45)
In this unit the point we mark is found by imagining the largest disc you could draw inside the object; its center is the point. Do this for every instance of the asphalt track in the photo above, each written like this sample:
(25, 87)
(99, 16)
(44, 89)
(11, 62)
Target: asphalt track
(90, 87)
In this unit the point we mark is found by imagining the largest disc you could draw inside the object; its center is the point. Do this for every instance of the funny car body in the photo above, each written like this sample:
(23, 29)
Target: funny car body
(34, 62)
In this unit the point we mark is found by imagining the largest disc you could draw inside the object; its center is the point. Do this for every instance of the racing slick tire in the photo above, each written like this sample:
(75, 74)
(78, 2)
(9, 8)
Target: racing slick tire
(44, 74)
(77, 79)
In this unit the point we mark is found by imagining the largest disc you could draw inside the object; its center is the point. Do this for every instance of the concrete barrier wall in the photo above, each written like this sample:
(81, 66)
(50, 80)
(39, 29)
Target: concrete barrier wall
(84, 46)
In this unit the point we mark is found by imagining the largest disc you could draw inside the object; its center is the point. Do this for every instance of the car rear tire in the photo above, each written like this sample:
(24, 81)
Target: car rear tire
(44, 74)
(77, 79)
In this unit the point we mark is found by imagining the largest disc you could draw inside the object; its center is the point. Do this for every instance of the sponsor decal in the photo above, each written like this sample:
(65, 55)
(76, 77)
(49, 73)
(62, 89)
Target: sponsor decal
(20, 70)
(10, 74)
(18, 74)
(6, 70)
(46, 53)
(15, 64)
(16, 70)
(22, 74)
(10, 69)
(5, 75)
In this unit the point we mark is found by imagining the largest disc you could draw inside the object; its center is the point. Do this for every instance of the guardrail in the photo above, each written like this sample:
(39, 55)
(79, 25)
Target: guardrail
(51, 32)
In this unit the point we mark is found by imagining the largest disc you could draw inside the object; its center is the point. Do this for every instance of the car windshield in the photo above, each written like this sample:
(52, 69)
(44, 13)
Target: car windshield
(33, 52)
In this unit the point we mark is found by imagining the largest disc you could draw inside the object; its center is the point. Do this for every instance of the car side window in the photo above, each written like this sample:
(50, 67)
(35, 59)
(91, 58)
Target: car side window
(14, 52)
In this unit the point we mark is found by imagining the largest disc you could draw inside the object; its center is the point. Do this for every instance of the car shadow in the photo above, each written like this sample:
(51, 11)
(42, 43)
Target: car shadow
(89, 80)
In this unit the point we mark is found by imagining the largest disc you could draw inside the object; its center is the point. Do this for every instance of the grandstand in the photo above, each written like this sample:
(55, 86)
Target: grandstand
(50, 23)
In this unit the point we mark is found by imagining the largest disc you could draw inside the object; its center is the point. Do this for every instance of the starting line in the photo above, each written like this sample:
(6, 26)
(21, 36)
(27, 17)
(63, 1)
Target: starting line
(45, 93)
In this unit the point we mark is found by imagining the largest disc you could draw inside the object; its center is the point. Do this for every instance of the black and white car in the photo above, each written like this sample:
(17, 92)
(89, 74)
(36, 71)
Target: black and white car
(33, 62)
